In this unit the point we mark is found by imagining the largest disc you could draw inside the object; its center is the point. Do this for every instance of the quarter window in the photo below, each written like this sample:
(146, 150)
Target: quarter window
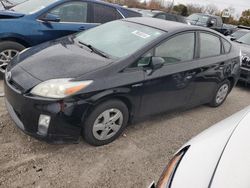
(177, 49)
(227, 46)
(210, 45)
(103, 13)
(72, 12)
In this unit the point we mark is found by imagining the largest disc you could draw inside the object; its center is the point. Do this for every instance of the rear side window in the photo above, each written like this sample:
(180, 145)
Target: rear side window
(210, 45)
(177, 49)
(104, 13)
(72, 12)
(227, 45)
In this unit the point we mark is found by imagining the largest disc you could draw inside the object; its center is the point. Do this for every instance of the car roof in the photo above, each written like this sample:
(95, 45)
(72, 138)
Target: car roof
(165, 25)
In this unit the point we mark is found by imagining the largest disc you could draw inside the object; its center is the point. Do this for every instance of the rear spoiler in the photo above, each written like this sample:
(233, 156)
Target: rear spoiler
(243, 27)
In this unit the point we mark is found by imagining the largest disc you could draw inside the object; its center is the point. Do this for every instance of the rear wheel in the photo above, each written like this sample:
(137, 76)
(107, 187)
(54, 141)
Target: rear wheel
(221, 94)
(8, 50)
(105, 123)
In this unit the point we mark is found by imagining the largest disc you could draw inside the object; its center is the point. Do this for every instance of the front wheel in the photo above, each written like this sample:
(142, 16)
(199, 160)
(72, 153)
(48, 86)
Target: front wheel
(221, 94)
(8, 50)
(105, 123)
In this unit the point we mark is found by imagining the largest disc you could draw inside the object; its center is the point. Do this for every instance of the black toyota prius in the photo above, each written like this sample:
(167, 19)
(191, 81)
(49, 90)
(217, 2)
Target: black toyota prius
(95, 82)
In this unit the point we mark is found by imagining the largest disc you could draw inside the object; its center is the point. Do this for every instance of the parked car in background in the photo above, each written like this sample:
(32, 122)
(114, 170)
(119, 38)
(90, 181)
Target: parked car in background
(210, 21)
(36, 21)
(240, 32)
(7, 4)
(97, 81)
(218, 157)
(243, 43)
(161, 15)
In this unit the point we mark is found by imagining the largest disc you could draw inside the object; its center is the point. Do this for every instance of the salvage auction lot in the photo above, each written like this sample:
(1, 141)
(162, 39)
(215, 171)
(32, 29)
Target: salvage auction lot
(134, 160)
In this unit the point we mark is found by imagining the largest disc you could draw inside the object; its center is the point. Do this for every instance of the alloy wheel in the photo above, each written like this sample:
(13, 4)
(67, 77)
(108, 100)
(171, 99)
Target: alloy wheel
(107, 124)
(222, 93)
(6, 56)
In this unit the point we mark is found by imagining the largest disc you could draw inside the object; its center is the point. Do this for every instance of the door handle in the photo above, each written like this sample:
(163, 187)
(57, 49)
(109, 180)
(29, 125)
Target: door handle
(137, 85)
(82, 28)
(189, 77)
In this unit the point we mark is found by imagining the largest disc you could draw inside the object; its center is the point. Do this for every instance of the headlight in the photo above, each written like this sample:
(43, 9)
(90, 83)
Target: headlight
(59, 88)
(241, 58)
(168, 174)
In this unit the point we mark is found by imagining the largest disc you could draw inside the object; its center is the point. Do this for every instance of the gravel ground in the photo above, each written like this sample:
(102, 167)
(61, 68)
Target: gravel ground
(134, 160)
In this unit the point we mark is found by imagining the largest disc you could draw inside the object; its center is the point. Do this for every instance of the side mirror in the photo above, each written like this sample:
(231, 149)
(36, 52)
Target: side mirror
(50, 18)
(211, 23)
(233, 38)
(157, 63)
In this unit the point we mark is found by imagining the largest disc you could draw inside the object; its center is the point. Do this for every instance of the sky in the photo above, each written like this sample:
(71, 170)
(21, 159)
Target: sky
(239, 5)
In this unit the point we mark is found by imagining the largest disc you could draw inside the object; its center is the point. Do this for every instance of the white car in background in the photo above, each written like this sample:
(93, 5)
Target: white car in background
(219, 157)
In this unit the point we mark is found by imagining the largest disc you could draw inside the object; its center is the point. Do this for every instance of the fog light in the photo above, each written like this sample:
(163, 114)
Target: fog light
(43, 125)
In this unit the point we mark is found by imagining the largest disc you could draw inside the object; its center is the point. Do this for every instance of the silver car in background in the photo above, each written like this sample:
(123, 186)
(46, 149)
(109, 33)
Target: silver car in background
(219, 157)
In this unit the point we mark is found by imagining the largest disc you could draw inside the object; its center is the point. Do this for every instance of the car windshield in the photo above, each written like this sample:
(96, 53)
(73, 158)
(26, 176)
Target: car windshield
(32, 6)
(198, 18)
(240, 33)
(119, 38)
(245, 39)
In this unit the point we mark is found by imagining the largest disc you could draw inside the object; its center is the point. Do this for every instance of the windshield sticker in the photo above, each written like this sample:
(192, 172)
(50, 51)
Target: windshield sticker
(140, 34)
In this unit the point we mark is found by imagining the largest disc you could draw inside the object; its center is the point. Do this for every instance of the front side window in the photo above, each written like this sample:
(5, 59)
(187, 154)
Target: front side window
(104, 13)
(210, 45)
(177, 49)
(119, 38)
(72, 12)
(30, 7)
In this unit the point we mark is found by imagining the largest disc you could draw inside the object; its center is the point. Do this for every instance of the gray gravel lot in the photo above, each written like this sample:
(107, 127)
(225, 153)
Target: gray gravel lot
(134, 160)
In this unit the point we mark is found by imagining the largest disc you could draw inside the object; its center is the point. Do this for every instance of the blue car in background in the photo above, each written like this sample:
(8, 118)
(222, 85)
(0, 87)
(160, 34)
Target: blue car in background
(35, 21)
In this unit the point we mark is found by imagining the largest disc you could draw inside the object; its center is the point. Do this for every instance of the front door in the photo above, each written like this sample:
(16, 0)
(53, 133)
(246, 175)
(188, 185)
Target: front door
(74, 17)
(171, 86)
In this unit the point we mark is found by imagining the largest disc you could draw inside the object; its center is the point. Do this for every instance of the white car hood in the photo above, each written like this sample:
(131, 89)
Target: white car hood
(199, 163)
(234, 166)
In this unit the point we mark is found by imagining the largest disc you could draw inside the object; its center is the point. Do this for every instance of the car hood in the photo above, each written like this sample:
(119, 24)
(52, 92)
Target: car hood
(4, 14)
(200, 161)
(243, 47)
(59, 59)
(234, 165)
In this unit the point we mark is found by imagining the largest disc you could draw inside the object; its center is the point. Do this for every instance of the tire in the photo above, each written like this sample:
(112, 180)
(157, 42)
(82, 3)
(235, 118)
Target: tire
(218, 101)
(10, 45)
(96, 120)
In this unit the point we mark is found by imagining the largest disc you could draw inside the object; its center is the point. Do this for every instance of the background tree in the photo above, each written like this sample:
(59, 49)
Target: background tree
(181, 9)
(194, 8)
(245, 18)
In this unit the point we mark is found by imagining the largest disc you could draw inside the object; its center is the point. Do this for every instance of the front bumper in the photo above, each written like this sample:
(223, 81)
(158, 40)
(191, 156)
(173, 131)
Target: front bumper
(66, 115)
(245, 75)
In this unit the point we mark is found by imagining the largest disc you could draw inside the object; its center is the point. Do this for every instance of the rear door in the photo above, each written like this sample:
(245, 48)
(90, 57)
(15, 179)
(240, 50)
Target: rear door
(171, 86)
(214, 64)
(74, 17)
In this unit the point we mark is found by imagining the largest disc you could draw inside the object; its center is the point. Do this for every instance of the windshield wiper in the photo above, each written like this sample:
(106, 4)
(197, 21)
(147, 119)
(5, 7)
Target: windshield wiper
(238, 41)
(95, 50)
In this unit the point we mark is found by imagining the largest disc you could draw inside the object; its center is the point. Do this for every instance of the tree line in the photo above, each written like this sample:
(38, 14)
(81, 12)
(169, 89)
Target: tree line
(186, 10)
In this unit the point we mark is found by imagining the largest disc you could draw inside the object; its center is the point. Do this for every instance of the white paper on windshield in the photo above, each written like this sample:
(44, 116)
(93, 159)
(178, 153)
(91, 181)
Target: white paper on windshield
(141, 34)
